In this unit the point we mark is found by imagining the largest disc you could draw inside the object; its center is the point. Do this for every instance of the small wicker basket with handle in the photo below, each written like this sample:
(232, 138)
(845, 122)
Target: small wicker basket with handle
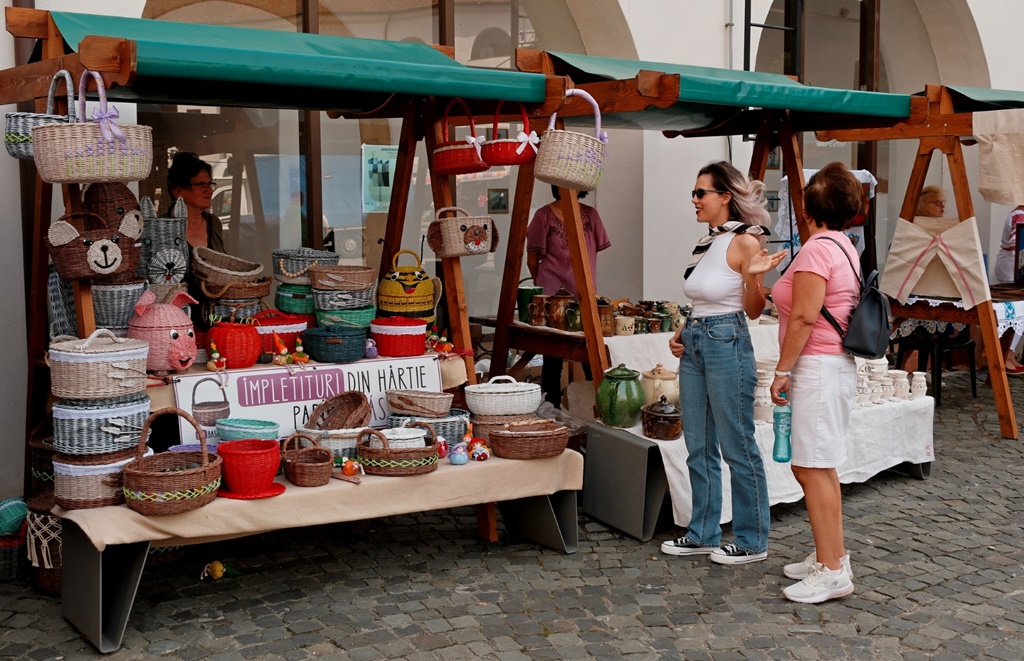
(463, 236)
(19, 125)
(393, 462)
(569, 159)
(503, 395)
(455, 157)
(510, 151)
(306, 467)
(171, 482)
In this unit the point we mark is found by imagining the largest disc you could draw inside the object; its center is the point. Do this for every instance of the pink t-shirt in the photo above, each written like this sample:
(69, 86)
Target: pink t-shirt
(842, 289)
(547, 235)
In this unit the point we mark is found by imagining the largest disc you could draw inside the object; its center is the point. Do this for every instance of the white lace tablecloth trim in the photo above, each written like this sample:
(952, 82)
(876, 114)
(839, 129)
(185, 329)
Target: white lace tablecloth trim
(1009, 315)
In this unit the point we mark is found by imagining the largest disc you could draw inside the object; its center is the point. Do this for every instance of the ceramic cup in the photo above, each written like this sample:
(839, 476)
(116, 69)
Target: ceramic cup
(624, 325)
(538, 314)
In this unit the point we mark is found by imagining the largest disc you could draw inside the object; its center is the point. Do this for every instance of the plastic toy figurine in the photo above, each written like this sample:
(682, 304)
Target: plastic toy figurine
(283, 356)
(216, 363)
(299, 356)
(457, 454)
(480, 452)
(371, 348)
(442, 447)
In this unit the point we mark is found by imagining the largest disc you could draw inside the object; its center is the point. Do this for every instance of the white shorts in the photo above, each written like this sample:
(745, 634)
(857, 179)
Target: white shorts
(823, 391)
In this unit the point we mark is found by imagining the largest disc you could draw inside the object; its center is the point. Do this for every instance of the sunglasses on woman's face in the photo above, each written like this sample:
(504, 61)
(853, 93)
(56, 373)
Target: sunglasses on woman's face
(699, 193)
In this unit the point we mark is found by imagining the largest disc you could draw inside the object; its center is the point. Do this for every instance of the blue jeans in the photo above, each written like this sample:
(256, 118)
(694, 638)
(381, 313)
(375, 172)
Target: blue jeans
(717, 374)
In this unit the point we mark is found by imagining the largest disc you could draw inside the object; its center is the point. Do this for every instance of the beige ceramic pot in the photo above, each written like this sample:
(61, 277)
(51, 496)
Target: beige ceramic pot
(660, 381)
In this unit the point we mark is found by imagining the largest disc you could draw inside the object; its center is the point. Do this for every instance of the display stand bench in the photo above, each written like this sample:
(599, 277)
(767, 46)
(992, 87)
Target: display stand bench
(104, 549)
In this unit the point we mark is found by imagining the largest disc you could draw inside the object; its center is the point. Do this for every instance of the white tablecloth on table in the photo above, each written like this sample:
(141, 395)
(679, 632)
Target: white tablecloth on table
(881, 435)
(1009, 315)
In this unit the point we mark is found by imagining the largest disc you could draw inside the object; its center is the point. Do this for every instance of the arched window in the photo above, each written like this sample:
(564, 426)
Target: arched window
(492, 42)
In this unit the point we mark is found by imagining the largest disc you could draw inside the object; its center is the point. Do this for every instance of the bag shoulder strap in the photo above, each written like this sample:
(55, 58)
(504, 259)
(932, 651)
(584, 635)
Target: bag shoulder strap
(860, 281)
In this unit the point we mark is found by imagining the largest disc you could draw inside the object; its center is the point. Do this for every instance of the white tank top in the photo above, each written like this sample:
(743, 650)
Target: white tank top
(713, 287)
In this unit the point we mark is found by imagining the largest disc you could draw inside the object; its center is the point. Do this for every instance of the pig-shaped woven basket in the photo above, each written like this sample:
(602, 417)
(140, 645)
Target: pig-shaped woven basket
(167, 329)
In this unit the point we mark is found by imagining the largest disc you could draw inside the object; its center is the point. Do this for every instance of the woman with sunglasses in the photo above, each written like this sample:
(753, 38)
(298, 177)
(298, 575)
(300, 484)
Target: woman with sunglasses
(717, 369)
(190, 179)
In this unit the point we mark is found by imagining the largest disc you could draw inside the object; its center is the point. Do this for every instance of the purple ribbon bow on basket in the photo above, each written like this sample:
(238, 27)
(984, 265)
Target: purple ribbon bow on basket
(108, 127)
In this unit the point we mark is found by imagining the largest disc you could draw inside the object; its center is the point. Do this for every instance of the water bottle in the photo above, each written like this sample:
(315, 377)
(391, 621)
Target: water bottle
(783, 419)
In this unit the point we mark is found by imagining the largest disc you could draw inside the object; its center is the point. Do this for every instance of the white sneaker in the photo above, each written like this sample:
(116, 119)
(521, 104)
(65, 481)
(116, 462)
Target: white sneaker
(820, 585)
(798, 571)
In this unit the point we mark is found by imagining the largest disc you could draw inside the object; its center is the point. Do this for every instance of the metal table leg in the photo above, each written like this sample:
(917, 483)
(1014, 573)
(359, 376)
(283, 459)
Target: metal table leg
(547, 520)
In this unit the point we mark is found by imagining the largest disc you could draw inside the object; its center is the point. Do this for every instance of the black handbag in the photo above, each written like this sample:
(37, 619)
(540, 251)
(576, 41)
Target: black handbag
(867, 336)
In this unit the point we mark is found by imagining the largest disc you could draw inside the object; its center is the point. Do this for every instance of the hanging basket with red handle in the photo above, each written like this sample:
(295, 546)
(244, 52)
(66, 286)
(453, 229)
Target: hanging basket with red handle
(458, 157)
(510, 151)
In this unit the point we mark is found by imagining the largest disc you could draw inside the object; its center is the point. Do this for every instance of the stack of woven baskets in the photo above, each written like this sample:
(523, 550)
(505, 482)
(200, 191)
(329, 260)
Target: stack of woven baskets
(233, 286)
(499, 402)
(292, 271)
(343, 295)
(336, 423)
(97, 421)
(434, 408)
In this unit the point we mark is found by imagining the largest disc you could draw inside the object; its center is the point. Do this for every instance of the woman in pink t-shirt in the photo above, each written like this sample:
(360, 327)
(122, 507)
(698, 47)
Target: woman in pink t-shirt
(818, 376)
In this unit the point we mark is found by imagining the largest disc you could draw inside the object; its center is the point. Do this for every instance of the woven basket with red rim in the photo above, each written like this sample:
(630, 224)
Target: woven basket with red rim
(458, 157)
(287, 326)
(510, 151)
(399, 336)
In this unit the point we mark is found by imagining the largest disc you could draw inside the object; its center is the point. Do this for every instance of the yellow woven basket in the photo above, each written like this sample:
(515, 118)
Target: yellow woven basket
(408, 291)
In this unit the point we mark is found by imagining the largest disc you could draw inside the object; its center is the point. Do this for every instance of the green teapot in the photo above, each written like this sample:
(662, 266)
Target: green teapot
(619, 397)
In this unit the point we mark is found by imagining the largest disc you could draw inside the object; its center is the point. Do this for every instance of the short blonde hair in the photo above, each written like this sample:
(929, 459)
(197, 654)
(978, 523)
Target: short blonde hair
(928, 195)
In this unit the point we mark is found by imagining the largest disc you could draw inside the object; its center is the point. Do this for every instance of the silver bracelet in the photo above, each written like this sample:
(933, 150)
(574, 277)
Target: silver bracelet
(757, 290)
(779, 373)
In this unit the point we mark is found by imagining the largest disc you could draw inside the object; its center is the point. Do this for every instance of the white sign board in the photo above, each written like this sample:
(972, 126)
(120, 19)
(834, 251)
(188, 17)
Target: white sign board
(288, 396)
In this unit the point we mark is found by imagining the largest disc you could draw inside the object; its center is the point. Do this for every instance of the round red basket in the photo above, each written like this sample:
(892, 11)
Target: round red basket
(399, 336)
(239, 344)
(249, 466)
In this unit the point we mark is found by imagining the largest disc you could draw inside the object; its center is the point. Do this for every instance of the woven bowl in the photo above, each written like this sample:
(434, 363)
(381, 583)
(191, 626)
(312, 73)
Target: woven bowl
(419, 402)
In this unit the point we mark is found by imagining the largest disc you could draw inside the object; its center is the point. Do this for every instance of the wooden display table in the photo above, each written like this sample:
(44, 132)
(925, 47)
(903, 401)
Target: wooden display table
(104, 549)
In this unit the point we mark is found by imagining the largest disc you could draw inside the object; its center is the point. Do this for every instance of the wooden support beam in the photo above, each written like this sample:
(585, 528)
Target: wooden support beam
(400, 190)
(762, 148)
(792, 162)
(27, 23)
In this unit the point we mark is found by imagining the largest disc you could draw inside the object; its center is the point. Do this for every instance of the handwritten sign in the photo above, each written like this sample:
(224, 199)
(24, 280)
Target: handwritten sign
(288, 396)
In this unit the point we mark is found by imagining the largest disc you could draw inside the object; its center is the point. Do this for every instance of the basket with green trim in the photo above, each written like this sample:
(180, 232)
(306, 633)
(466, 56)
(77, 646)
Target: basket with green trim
(352, 318)
(396, 462)
(171, 482)
(238, 429)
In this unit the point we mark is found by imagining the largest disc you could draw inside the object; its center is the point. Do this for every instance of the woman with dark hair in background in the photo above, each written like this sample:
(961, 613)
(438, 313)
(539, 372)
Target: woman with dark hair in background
(190, 179)
(717, 369)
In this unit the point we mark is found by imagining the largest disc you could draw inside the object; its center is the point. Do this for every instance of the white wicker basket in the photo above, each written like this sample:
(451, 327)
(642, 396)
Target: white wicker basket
(503, 395)
(400, 438)
(341, 442)
(570, 159)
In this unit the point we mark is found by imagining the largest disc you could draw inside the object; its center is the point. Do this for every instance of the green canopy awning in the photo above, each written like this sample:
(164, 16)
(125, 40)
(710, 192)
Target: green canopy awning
(708, 96)
(976, 99)
(192, 63)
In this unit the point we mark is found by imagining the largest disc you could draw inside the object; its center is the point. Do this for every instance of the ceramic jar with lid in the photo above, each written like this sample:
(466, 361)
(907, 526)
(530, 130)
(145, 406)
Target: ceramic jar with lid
(555, 308)
(619, 397)
(658, 382)
(662, 420)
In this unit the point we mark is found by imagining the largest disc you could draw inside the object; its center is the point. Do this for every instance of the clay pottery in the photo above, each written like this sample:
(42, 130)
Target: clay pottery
(538, 310)
(606, 313)
(624, 325)
(764, 410)
(662, 420)
(619, 397)
(888, 389)
(671, 307)
(901, 384)
(555, 308)
(573, 317)
(918, 386)
(660, 382)
(524, 296)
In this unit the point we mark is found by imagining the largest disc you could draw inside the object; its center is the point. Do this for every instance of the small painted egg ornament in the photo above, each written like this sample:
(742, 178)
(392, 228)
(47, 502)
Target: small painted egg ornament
(457, 454)
(442, 447)
(371, 348)
(480, 453)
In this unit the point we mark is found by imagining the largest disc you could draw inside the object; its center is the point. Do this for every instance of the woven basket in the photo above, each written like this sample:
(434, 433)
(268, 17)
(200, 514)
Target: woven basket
(237, 291)
(114, 305)
(306, 467)
(569, 159)
(168, 331)
(41, 453)
(239, 344)
(529, 440)
(394, 462)
(295, 299)
(337, 344)
(503, 395)
(340, 277)
(217, 268)
(19, 125)
(483, 425)
(42, 539)
(394, 297)
(288, 327)
(208, 413)
(249, 464)
(12, 555)
(399, 336)
(237, 429)
(353, 318)
(171, 482)
(505, 151)
(98, 426)
(88, 152)
(464, 236)
(455, 157)
(292, 265)
(164, 257)
(348, 410)
(12, 515)
(327, 299)
(85, 482)
(419, 402)
(84, 246)
(341, 442)
(450, 427)
(98, 367)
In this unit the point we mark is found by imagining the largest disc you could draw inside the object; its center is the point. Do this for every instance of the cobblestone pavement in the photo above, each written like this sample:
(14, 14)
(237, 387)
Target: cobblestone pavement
(937, 570)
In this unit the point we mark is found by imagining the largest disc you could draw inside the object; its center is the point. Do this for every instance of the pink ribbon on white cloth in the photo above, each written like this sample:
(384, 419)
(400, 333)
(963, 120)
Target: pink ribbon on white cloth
(108, 127)
(533, 140)
(476, 141)
(949, 253)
